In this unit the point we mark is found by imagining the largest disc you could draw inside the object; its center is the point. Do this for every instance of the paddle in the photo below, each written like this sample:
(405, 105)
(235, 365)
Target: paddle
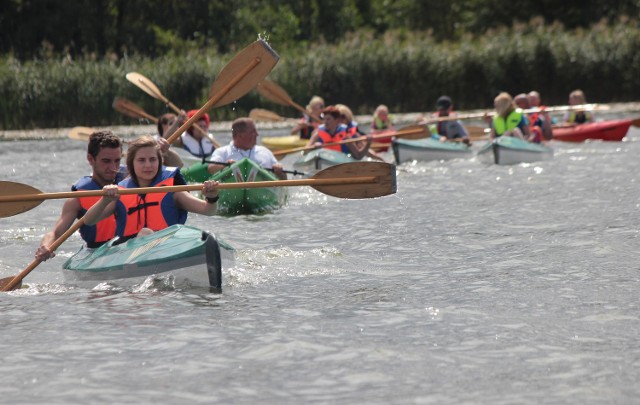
(11, 283)
(81, 133)
(151, 89)
(146, 85)
(294, 172)
(585, 107)
(277, 94)
(237, 78)
(349, 180)
(409, 132)
(130, 109)
(259, 114)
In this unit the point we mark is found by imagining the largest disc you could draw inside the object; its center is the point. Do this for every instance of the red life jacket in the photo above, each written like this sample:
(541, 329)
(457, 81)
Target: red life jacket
(155, 211)
(325, 137)
(93, 235)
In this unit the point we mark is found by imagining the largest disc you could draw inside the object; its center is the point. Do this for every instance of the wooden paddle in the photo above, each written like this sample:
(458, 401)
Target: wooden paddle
(150, 88)
(146, 85)
(81, 133)
(131, 109)
(236, 79)
(409, 132)
(277, 94)
(11, 283)
(294, 172)
(260, 114)
(349, 180)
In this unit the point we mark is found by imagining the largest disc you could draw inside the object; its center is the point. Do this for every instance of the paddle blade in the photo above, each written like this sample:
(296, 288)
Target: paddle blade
(145, 85)
(273, 92)
(131, 109)
(258, 114)
(81, 133)
(258, 50)
(4, 282)
(384, 182)
(9, 209)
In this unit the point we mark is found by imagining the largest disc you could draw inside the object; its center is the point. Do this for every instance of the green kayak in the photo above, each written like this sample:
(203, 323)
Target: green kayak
(190, 255)
(241, 201)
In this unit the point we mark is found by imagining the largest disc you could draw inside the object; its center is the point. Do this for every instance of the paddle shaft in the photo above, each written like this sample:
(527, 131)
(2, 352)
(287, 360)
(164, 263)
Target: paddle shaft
(352, 140)
(55, 245)
(213, 100)
(294, 172)
(194, 187)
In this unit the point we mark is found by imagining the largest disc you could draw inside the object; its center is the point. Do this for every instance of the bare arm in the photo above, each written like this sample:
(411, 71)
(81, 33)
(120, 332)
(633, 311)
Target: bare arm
(68, 215)
(359, 150)
(188, 202)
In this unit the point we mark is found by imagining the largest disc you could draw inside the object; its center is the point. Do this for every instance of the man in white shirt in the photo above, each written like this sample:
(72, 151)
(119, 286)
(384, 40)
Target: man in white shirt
(243, 145)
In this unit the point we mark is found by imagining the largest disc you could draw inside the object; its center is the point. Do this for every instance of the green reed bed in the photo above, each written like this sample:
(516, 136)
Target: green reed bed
(406, 71)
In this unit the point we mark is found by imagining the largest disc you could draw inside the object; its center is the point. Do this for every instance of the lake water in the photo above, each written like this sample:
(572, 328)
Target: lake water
(472, 284)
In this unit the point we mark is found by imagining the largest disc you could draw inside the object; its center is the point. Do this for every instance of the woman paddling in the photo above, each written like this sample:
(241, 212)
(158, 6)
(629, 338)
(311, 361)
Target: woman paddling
(142, 214)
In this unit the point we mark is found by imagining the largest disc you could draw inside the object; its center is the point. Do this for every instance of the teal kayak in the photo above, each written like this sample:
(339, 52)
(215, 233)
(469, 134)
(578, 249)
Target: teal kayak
(190, 255)
(507, 150)
(319, 159)
(241, 201)
(425, 150)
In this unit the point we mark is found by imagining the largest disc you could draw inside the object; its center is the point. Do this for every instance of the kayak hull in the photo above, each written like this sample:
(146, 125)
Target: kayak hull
(425, 150)
(319, 159)
(241, 201)
(187, 254)
(613, 130)
(507, 150)
(276, 143)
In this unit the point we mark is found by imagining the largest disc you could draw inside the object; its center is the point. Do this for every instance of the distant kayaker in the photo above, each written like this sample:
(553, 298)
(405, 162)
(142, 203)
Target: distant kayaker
(575, 117)
(382, 121)
(334, 131)
(311, 118)
(104, 152)
(142, 214)
(244, 139)
(446, 129)
(169, 156)
(353, 130)
(540, 118)
(200, 142)
(508, 121)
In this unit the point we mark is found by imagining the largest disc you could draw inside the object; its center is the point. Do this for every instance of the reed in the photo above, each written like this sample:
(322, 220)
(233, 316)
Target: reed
(407, 71)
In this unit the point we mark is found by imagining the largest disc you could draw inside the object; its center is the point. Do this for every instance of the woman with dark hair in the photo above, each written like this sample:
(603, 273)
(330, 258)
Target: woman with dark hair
(141, 214)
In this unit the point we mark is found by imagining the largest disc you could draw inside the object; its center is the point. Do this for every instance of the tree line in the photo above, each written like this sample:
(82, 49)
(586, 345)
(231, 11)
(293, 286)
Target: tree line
(43, 28)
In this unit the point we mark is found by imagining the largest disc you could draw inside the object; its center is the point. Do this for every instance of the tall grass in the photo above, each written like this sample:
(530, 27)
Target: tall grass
(407, 71)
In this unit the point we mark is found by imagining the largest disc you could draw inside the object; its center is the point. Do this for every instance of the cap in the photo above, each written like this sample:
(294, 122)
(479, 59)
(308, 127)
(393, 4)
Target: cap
(444, 102)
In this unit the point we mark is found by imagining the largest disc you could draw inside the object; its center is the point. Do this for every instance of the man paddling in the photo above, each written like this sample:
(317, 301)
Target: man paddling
(104, 153)
(243, 145)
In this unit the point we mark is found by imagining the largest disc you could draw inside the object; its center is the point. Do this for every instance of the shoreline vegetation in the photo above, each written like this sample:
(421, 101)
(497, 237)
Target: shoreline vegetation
(407, 71)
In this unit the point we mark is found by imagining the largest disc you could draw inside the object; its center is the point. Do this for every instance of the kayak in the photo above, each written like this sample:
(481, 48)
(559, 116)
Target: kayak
(191, 256)
(283, 142)
(425, 150)
(613, 130)
(321, 158)
(507, 150)
(382, 144)
(241, 201)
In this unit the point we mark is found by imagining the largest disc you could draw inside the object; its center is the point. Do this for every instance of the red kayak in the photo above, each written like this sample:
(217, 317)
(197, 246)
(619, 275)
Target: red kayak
(613, 130)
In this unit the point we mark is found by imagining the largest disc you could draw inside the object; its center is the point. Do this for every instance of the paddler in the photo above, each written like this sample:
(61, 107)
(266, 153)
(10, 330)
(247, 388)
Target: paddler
(104, 152)
(142, 214)
(244, 138)
(334, 131)
(508, 121)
